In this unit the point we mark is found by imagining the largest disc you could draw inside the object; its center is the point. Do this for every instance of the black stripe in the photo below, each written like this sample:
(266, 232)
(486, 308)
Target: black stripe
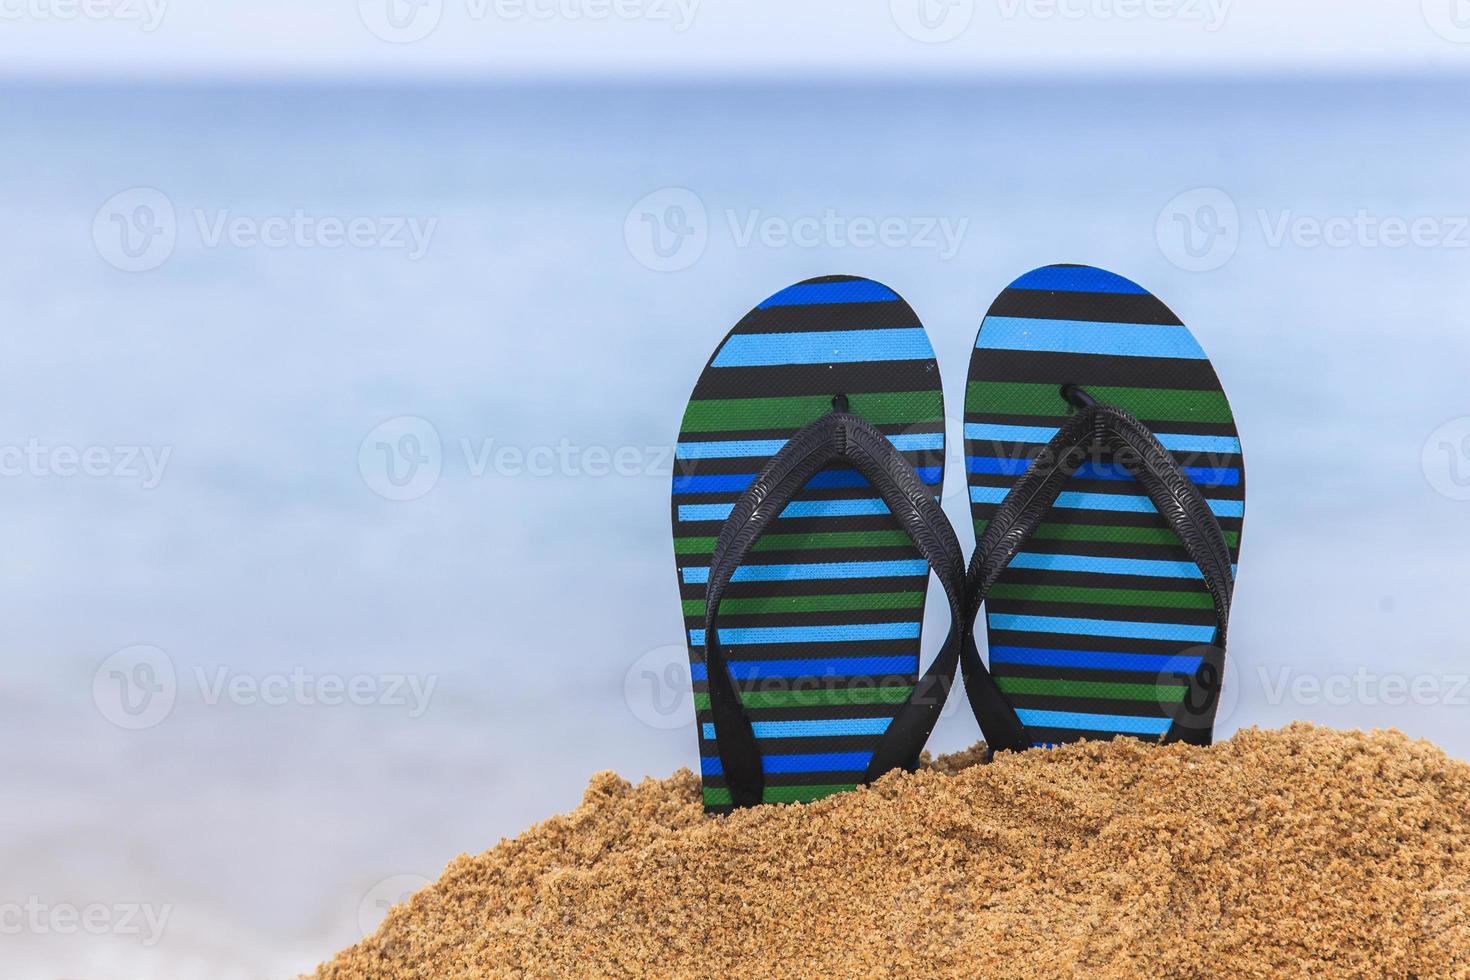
(1072, 641)
(1090, 369)
(1046, 304)
(735, 435)
(1102, 611)
(1100, 676)
(1052, 421)
(817, 379)
(829, 316)
(805, 651)
(850, 617)
(1037, 576)
(1091, 706)
(826, 586)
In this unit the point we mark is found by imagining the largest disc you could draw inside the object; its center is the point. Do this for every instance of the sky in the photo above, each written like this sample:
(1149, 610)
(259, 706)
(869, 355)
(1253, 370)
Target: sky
(407, 39)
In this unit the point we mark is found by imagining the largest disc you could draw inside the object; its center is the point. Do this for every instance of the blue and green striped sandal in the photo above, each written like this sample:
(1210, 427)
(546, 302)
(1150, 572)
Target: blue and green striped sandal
(806, 521)
(1107, 491)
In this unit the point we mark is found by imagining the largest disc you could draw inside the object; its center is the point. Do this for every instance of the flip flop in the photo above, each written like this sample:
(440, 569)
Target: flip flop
(1107, 490)
(806, 520)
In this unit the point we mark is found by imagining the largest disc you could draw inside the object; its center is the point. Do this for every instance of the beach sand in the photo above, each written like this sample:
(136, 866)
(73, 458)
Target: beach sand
(1304, 851)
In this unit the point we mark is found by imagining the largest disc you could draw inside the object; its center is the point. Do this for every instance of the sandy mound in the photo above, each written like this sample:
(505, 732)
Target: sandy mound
(1302, 851)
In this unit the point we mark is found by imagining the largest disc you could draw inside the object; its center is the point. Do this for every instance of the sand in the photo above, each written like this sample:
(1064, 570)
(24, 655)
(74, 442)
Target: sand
(1300, 852)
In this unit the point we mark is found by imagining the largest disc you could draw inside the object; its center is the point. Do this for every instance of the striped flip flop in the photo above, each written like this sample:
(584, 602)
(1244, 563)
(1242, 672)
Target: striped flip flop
(806, 520)
(1107, 490)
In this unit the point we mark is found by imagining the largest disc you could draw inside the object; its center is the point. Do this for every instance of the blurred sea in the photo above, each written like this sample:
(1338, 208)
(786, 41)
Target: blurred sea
(407, 363)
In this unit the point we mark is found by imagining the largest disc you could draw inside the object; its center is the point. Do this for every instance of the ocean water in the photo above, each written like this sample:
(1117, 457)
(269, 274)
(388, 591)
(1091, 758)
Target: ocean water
(334, 445)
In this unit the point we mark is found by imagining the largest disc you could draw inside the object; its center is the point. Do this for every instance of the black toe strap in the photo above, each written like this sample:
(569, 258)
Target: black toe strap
(1134, 447)
(836, 437)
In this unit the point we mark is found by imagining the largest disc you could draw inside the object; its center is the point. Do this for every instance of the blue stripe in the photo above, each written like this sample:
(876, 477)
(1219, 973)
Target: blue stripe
(1208, 476)
(1147, 663)
(871, 507)
(710, 765)
(733, 448)
(735, 636)
(1088, 337)
(825, 480)
(824, 347)
(1077, 721)
(1091, 564)
(1174, 442)
(754, 670)
(814, 570)
(813, 293)
(1114, 502)
(1103, 627)
(822, 728)
(1077, 279)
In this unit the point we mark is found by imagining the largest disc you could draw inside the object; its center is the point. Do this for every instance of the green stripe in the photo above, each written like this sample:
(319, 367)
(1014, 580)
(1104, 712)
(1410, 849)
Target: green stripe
(1109, 533)
(808, 699)
(1114, 597)
(802, 542)
(879, 408)
(804, 794)
(810, 603)
(782, 794)
(1158, 693)
(1151, 404)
